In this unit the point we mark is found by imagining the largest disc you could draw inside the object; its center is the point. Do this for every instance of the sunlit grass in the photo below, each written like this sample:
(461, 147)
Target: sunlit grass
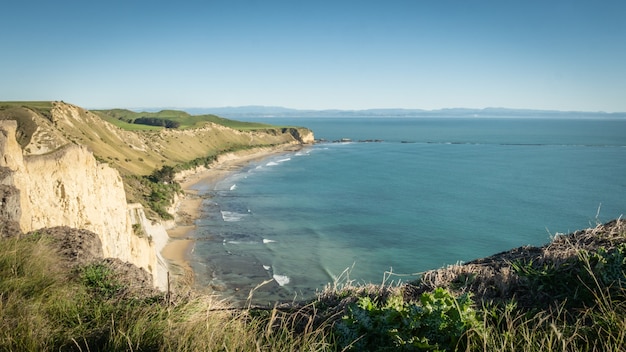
(44, 308)
(123, 119)
(45, 305)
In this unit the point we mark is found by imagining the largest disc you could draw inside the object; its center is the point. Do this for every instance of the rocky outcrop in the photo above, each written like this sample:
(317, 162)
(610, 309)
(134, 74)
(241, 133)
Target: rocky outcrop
(68, 187)
(78, 248)
(302, 135)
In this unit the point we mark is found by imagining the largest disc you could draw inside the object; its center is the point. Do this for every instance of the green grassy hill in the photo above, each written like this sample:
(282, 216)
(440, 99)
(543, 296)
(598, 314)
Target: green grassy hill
(127, 120)
(136, 150)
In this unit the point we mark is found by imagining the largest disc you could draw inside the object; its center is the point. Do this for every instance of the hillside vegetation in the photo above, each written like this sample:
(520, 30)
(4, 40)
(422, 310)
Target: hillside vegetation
(135, 149)
(138, 151)
(57, 293)
(566, 296)
(128, 120)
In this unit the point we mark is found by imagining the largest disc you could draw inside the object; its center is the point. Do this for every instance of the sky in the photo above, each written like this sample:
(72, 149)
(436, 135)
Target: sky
(414, 54)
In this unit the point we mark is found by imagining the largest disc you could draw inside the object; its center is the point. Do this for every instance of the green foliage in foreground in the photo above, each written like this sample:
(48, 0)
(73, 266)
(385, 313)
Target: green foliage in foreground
(45, 305)
(570, 281)
(436, 322)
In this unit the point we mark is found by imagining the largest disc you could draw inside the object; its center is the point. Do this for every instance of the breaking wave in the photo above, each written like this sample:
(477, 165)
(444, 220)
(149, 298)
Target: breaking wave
(231, 216)
(281, 280)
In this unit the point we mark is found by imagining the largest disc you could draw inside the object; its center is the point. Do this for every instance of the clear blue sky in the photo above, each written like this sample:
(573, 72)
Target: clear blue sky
(430, 54)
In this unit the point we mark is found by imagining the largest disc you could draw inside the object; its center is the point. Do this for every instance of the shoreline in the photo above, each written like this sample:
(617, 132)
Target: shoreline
(188, 208)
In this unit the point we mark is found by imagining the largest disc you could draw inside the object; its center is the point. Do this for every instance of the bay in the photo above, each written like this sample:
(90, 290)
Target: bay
(433, 192)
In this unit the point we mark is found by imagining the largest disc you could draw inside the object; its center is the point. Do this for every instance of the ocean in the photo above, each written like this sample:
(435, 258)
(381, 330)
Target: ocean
(429, 193)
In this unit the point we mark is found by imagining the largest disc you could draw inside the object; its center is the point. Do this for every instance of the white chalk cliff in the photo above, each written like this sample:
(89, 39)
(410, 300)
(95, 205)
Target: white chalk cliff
(69, 187)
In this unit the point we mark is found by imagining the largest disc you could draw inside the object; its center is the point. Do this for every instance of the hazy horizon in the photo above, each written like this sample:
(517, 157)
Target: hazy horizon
(287, 108)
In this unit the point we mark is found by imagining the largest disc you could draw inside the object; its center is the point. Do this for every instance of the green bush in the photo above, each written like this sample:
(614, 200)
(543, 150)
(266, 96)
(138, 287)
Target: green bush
(163, 175)
(435, 323)
(155, 121)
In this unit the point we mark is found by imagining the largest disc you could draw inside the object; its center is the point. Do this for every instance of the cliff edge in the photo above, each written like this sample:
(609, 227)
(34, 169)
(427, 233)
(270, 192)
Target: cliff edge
(69, 187)
(62, 165)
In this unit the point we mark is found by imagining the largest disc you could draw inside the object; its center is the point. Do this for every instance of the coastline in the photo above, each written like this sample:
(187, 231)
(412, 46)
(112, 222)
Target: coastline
(187, 209)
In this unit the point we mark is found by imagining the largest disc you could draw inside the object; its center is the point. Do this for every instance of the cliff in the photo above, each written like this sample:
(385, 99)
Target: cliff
(62, 165)
(68, 187)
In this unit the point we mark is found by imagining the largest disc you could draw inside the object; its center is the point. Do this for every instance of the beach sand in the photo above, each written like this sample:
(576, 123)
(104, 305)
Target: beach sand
(188, 208)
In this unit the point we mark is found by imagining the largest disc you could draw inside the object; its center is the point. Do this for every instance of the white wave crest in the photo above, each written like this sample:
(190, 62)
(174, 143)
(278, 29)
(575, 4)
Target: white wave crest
(265, 240)
(231, 216)
(233, 187)
(281, 280)
(267, 267)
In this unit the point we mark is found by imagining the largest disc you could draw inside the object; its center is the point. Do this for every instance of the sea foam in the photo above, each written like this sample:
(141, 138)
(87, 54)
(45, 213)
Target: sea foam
(277, 162)
(281, 280)
(231, 216)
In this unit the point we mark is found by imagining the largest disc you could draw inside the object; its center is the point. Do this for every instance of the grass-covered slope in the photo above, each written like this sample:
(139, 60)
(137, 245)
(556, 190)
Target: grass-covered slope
(135, 150)
(51, 302)
(128, 120)
(131, 148)
(567, 296)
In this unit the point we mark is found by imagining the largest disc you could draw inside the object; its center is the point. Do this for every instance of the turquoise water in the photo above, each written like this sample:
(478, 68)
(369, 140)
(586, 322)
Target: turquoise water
(433, 193)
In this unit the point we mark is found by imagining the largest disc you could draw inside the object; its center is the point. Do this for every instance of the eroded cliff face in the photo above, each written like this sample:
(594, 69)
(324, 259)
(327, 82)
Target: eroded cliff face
(50, 175)
(303, 135)
(68, 187)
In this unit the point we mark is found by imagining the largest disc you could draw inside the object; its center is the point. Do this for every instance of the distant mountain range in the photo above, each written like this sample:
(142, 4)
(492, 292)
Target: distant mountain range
(277, 111)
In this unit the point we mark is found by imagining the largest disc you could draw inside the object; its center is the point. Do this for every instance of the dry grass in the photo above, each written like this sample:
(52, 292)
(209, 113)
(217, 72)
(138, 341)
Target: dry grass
(137, 152)
(46, 127)
(45, 310)
(495, 278)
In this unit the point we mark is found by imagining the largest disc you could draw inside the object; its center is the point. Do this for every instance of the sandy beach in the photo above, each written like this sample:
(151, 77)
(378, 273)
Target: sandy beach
(188, 207)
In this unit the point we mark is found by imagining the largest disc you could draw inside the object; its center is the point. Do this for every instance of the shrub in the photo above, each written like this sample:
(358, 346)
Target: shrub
(163, 175)
(156, 121)
(436, 322)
